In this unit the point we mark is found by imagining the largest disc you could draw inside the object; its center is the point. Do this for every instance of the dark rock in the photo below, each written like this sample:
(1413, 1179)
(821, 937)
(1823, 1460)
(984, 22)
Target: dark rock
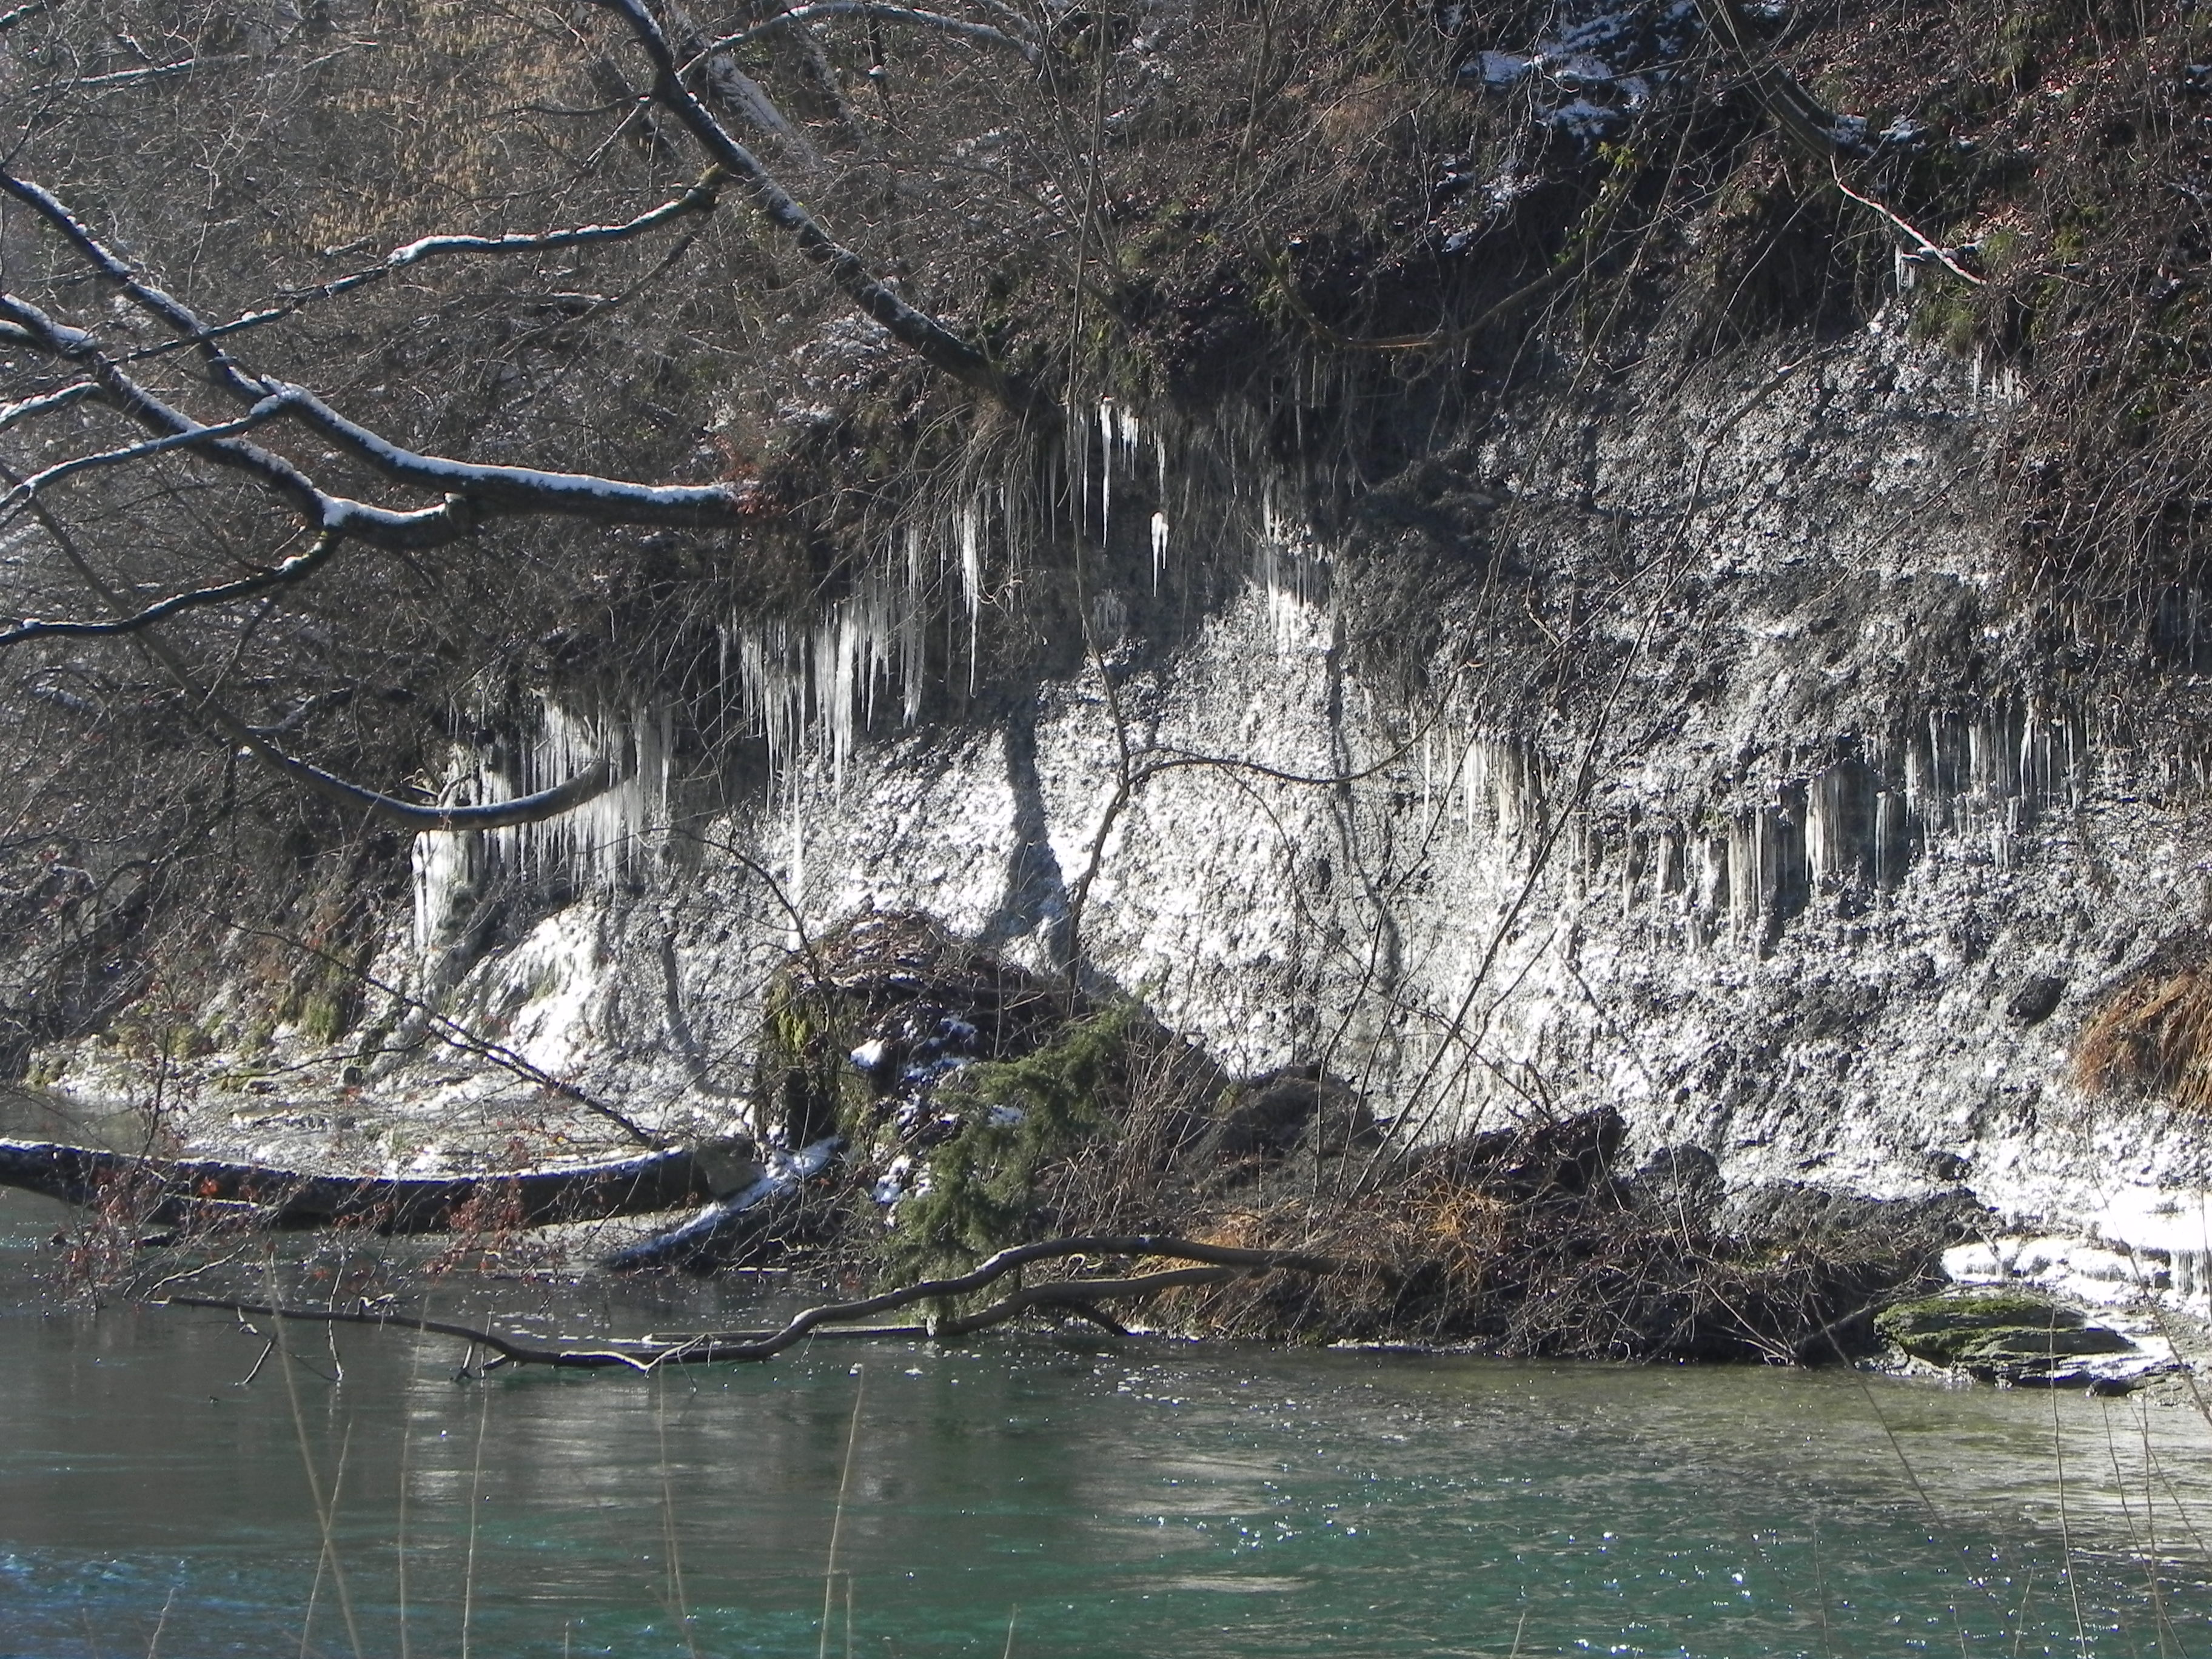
(1549, 1155)
(1948, 1166)
(1271, 1116)
(2006, 1335)
(1681, 1180)
(2036, 1000)
(1796, 1214)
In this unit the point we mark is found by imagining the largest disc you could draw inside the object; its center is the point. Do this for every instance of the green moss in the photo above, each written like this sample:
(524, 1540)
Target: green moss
(1018, 1119)
(806, 1038)
(2028, 1344)
(1965, 1326)
(322, 1017)
(1945, 316)
(2001, 250)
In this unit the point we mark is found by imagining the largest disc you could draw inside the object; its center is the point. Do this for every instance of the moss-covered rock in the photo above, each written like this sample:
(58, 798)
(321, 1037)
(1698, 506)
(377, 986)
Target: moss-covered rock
(2015, 1346)
(981, 1188)
(1993, 1330)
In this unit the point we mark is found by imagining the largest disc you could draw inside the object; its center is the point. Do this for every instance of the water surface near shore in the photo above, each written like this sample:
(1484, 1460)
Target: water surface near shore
(1106, 1498)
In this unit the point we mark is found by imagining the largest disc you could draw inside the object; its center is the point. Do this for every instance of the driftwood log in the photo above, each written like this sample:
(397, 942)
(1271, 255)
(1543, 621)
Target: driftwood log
(719, 1233)
(1219, 1264)
(187, 1192)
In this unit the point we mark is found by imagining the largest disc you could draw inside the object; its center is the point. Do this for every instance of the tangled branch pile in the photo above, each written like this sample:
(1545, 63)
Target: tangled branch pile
(986, 1108)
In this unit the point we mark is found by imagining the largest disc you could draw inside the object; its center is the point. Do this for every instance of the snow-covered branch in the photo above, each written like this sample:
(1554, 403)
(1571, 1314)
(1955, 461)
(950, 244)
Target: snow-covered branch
(472, 492)
(521, 490)
(699, 199)
(45, 403)
(13, 501)
(594, 781)
(132, 77)
(156, 302)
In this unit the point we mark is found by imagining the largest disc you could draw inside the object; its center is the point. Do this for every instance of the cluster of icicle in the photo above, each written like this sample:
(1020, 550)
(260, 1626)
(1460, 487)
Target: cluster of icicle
(1961, 786)
(817, 684)
(810, 688)
(593, 844)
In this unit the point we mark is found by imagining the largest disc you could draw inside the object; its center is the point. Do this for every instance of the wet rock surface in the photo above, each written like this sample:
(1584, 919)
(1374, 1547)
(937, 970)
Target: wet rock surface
(2018, 1337)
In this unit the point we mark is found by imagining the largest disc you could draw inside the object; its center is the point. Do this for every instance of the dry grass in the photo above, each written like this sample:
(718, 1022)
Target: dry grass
(2154, 1035)
(1526, 1243)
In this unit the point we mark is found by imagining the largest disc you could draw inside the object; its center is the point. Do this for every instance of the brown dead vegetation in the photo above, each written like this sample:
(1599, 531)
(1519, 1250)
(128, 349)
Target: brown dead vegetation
(1527, 1243)
(2153, 1034)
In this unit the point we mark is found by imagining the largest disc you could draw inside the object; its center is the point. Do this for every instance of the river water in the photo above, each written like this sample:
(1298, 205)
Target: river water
(1107, 1497)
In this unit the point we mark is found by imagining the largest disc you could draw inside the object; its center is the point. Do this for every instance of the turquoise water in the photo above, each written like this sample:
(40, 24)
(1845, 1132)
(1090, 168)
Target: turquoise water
(1105, 1498)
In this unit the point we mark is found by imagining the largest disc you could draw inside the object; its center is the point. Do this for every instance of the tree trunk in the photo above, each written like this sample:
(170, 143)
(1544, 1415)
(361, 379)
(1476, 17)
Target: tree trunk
(183, 1191)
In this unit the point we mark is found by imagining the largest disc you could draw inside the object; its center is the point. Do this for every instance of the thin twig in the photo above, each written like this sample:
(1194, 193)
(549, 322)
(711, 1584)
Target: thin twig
(476, 1498)
(324, 1511)
(837, 1517)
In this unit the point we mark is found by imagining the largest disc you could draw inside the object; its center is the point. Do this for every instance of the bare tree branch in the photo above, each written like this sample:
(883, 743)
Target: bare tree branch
(1819, 128)
(154, 301)
(1223, 1264)
(923, 334)
(521, 490)
(1011, 19)
(982, 34)
(700, 198)
(736, 90)
(297, 567)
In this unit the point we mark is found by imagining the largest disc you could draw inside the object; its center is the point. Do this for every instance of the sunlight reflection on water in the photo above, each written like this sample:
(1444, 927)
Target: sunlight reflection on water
(1130, 1498)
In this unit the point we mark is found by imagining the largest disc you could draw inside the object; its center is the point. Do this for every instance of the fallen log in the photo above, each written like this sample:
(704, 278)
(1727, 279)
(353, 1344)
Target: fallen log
(1222, 1263)
(721, 1232)
(190, 1192)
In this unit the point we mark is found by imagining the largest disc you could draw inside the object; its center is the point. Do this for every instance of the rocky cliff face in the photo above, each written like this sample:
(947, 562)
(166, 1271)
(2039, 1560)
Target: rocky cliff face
(1532, 559)
(1743, 818)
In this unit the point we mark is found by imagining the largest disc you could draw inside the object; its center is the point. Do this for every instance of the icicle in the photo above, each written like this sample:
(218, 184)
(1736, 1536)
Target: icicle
(1106, 472)
(1159, 548)
(795, 881)
(971, 581)
(1470, 772)
(441, 869)
(914, 655)
(595, 842)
